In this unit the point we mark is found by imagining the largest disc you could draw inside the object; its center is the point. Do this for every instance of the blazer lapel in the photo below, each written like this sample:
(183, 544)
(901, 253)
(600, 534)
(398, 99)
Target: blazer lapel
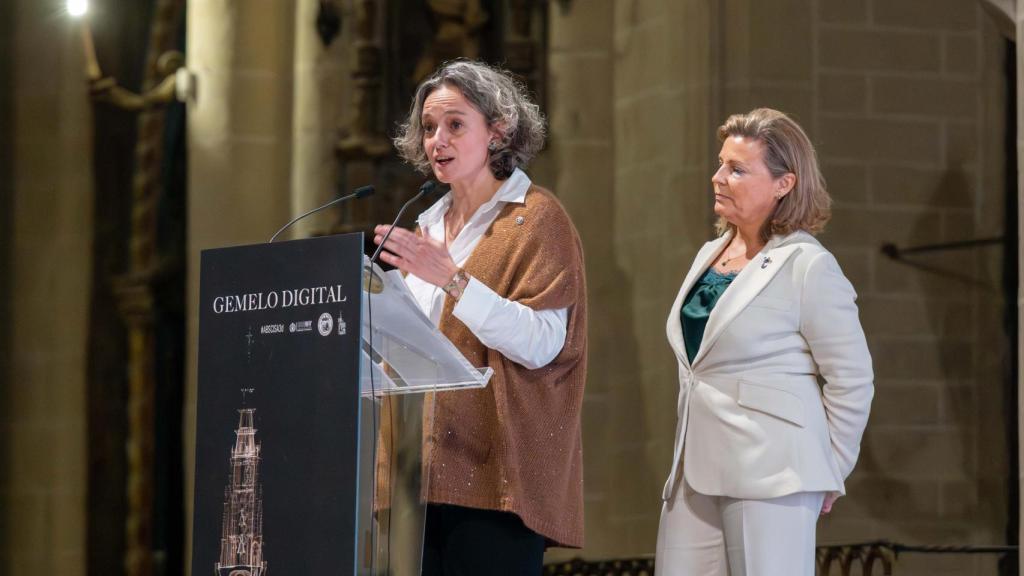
(748, 284)
(700, 263)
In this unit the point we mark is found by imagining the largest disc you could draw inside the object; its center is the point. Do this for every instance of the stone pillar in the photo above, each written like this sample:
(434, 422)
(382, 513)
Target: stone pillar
(630, 87)
(239, 139)
(44, 497)
(320, 73)
(662, 98)
(578, 165)
(1019, 21)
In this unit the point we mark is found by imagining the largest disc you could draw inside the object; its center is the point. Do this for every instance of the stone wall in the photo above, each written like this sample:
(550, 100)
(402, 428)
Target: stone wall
(908, 112)
(902, 97)
(43, 500)
(630, 153)
(906, 103)
(6, 257)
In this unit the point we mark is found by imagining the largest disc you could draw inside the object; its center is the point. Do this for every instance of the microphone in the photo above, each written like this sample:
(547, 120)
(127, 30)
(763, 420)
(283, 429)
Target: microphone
(361, 192)
(429, 187)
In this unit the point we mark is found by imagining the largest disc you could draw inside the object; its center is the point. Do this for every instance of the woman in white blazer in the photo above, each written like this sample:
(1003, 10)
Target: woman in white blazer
(774, 371)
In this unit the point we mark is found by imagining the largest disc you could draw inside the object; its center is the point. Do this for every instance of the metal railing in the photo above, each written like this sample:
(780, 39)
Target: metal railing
(643, 566)
(876, 558)
(882, 555)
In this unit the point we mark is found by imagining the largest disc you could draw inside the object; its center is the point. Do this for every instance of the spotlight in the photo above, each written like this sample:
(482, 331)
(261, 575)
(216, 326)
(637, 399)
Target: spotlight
(78, 8)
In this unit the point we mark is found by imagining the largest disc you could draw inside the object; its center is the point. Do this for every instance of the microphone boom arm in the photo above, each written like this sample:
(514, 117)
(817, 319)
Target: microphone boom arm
(361, 192)
(427, 188)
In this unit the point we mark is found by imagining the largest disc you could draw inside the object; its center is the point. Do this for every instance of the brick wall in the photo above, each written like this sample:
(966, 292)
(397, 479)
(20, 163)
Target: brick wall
(905, 101)
(907, 106)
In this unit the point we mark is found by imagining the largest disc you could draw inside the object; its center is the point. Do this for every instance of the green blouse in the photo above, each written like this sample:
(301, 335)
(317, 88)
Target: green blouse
(698, 305)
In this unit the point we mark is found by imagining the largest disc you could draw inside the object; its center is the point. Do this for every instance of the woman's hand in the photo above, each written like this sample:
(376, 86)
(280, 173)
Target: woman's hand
(830, 499)
(421, 256)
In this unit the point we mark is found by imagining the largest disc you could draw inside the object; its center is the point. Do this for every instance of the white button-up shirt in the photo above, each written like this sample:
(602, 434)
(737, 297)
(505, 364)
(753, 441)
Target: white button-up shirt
(529, 337)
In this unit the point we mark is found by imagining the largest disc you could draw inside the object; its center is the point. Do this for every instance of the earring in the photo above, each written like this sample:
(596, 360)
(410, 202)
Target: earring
(492, 146)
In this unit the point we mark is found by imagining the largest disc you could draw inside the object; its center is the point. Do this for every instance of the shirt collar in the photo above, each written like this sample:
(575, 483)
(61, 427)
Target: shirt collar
(513, 189)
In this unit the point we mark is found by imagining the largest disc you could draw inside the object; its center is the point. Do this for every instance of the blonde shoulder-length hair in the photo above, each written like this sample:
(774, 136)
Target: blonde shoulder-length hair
(787, 150)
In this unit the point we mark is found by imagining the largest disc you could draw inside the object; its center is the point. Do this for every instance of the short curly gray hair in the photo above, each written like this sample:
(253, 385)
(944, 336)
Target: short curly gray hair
(497, 95)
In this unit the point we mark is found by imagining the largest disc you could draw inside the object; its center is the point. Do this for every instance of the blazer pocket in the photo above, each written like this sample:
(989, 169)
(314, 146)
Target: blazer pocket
(771, 401)
(772, 303)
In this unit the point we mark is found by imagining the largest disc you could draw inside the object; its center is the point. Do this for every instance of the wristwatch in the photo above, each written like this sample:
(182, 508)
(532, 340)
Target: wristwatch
(457, 285)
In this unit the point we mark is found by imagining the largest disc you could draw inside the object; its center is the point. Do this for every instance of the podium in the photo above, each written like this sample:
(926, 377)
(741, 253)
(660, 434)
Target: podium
(314, 372)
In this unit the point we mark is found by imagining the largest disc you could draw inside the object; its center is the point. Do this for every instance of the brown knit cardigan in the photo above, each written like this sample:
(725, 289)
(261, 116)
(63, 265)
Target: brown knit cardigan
(516, 445)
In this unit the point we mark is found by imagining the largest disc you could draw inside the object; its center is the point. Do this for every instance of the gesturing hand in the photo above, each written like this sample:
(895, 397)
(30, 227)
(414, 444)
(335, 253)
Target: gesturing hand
(421, 256)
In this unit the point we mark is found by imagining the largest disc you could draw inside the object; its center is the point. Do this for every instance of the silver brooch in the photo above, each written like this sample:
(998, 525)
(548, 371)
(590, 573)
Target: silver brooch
(520, 220)
(765, 262)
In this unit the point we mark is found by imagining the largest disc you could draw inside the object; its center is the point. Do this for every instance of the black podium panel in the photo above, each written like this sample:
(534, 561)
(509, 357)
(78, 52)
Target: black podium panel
(278, 410)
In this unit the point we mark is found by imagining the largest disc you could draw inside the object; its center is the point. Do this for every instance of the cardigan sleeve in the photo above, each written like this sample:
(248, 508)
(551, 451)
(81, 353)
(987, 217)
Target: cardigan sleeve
(830, 324)
(532, 258)
(529, 337)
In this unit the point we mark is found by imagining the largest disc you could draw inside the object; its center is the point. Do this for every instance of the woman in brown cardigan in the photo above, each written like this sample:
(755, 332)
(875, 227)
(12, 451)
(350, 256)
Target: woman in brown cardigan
(498, 266)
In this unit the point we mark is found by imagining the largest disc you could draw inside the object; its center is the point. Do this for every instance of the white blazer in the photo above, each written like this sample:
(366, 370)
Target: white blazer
(754, 422)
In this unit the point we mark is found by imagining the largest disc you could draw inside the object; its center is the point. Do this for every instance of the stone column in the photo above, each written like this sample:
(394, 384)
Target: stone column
(239, 139)
(630, 86)
(320, 74)
(578, 165)
(43, 504)
(1019, 21)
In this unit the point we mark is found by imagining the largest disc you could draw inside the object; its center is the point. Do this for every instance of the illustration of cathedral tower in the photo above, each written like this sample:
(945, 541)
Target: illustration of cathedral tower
(241, 542)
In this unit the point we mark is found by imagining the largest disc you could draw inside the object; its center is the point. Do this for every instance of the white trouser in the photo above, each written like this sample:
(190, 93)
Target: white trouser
(703, 535)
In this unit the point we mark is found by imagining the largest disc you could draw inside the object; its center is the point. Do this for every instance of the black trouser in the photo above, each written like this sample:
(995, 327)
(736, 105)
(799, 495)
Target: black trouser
(462, 541)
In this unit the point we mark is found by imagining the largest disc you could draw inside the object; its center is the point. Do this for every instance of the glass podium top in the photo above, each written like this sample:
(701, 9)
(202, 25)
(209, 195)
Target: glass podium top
(403, 358)
(403, 352)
